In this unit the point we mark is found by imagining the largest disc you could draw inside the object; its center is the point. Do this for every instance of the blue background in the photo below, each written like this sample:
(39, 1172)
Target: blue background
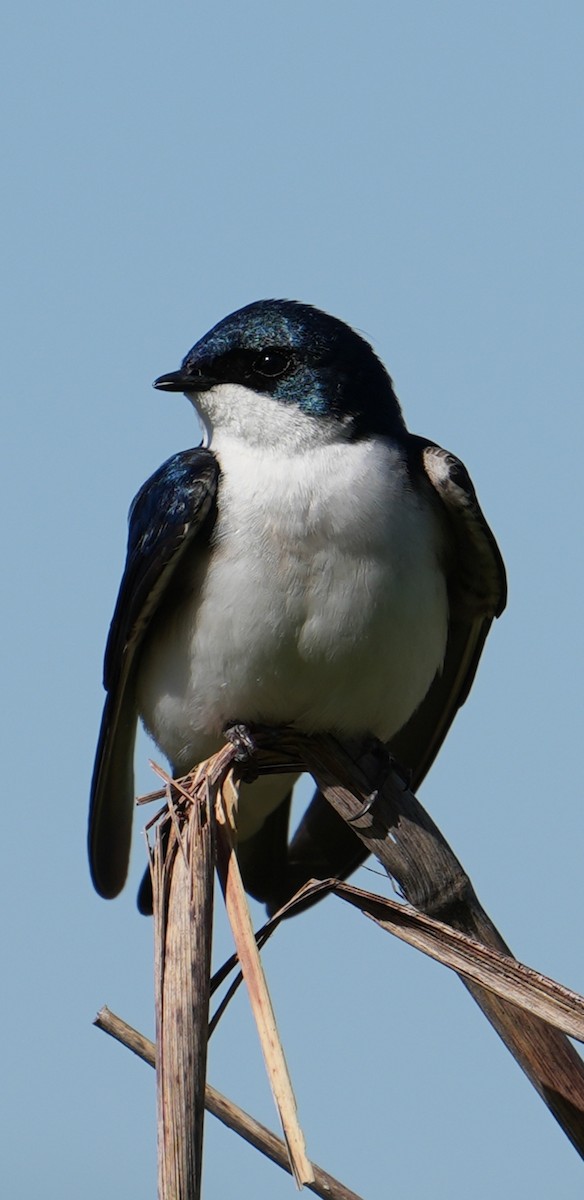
(415, 168)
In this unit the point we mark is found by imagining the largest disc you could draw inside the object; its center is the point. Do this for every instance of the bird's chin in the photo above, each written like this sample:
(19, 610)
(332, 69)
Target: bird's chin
(203, 418)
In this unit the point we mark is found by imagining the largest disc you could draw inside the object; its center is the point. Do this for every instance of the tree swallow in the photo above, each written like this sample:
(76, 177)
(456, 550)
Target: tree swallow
(312, 564)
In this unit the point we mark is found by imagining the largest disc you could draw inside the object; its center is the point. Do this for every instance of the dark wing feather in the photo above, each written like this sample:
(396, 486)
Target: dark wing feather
(323, 845)
(175, 507)
(477, 593)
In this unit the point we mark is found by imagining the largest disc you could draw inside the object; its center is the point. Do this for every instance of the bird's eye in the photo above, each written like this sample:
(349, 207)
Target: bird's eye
(273, 362)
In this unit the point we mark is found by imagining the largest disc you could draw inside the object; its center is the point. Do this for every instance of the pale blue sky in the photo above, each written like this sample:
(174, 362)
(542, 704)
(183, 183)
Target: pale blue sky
(415, 168)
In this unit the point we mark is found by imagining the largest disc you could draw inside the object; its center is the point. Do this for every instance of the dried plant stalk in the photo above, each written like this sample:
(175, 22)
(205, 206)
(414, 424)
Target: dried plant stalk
(482, 965)
(403, 837)
(228, 1113)
(394, 827)
(182, 878)
(253, 974)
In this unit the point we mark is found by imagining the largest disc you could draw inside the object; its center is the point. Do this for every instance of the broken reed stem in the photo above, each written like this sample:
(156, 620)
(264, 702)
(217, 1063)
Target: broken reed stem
(491, 969)
(182, 882)
(405, 840)
(482, 965)
(413, 851)
(182, 864)
(261, 1004)
(227, 1112)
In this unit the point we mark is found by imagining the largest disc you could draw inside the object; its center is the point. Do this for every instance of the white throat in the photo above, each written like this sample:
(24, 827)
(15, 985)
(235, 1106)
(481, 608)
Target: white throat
(260, 420)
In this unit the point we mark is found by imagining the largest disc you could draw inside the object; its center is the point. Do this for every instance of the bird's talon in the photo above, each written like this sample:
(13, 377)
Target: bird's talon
(241, 737)
(365, 807)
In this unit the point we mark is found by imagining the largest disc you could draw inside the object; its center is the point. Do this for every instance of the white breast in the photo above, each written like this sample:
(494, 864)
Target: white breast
(322, 602)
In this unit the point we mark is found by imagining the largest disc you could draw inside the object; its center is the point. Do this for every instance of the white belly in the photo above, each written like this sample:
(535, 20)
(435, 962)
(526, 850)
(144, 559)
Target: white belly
(322, 604)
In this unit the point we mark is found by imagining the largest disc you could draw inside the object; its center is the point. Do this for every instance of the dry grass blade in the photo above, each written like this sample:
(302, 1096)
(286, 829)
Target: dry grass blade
(522, 1005)
(230, 1114)
(504, 976)
(253, 974)
(182, 879)
(405, 840)
(310, 890)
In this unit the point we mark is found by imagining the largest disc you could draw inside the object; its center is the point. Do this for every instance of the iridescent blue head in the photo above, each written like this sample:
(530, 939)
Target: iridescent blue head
(297, 355)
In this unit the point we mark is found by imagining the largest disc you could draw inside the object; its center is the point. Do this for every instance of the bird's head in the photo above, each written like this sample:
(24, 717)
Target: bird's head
(277, 357)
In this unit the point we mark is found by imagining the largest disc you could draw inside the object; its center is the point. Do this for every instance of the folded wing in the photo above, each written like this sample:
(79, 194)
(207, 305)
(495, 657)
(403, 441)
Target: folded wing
(173, 511)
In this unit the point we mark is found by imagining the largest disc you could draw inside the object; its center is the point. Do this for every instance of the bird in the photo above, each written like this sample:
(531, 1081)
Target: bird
(311, 563)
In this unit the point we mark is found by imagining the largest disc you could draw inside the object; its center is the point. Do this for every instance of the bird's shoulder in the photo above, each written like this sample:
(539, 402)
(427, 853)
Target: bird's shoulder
(475, 567)
(172, 508)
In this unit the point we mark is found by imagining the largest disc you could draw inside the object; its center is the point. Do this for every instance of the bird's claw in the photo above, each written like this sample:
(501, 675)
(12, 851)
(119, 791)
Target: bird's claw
(241, 737)
(365, 807)
(384, 762)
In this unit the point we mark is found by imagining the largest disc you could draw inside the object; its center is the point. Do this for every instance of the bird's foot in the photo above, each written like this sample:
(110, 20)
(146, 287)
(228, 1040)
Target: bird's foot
(383, 761)
(379, 763)
(249, 739)
(241, 737)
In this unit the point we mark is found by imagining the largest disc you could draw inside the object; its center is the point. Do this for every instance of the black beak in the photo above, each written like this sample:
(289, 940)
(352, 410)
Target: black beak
(174, 382)
(184, 381)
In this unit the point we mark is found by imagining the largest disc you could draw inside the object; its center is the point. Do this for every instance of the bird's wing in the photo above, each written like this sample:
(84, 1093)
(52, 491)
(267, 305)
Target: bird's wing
(323, 845)
(477, 593)
(175, 507)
